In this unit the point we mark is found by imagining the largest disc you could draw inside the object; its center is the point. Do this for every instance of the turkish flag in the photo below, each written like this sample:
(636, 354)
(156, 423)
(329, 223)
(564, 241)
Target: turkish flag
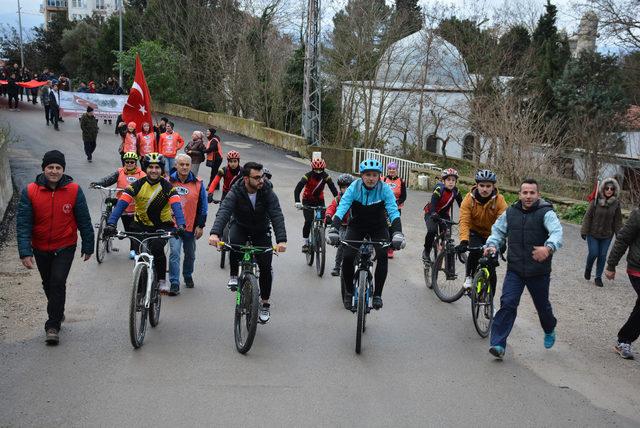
(138, 106)
(594, 194)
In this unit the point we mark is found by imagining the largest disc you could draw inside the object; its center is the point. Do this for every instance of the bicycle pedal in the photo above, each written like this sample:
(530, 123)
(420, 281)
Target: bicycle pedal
(452, 277)
(115, 250)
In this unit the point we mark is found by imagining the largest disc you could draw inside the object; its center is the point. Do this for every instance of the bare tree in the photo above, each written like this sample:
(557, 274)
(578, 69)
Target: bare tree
(618, 19)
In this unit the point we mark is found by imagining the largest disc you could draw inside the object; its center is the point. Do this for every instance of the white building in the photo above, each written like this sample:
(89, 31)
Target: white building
(78, 9)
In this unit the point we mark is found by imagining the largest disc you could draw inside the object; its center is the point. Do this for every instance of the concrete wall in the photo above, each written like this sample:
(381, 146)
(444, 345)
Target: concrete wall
(6, 185)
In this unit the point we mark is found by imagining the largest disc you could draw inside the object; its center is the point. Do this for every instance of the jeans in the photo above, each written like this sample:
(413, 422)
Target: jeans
(54, 269)
(597, 250)
(171, 163)
(631, 329)
(239, 236)
(188, 244)
(512, 289)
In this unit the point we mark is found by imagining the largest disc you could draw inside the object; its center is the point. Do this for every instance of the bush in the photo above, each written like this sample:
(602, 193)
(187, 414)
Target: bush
(573, 213)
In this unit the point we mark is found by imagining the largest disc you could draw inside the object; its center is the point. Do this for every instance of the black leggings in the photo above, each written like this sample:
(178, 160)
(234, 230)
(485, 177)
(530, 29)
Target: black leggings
(433, 229)
(239, 236)
(308, 218)
(474, 256)
(214, 170)
(156, 248)
(349, 255)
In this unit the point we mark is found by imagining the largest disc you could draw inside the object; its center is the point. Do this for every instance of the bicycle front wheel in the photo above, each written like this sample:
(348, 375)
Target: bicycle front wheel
(137, 311)
(362, 308)
(445, 285)
(321, 247)
(246, 316)
(101, 242)
(156, 304)
(310, 250)
(427, 265)
(482, 303)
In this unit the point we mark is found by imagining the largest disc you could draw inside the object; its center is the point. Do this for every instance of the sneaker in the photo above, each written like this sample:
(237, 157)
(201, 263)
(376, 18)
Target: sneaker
(233, 283)
(624, 350)
(467, 283)
(52, 337)
(189, 283)
(587, 274)
(163, 286)
(377, 302)
(335, 271)
(549, 339)
(174, 290)
(598, 282)
(305, 248)
(132, 254)
(497, 351)
(389, 253)
(265, 314)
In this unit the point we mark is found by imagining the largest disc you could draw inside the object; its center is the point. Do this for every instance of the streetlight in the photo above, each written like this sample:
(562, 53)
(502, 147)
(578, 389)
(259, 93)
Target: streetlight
(20, 24)
(119, 3)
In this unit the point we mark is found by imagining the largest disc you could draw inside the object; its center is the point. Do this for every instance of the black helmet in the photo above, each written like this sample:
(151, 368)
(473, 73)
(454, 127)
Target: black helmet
(266, 173)
(151, 158)
(486, 175)
(344, 180)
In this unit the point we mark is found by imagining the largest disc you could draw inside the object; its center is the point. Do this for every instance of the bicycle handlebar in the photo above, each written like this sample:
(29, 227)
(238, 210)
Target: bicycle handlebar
(244, 248)
(313, 207)
(108, 189)
(144, 236)
(348, 242)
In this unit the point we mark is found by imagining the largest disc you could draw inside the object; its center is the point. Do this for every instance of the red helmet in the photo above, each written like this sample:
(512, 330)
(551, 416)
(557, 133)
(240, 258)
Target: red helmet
(448, 173)
(233, 155)
(318, 164)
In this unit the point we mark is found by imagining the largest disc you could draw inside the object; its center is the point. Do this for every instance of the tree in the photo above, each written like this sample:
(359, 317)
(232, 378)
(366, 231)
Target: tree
(513, 47)
(618, 19)
(47, 44)
(630, 72)
(81, 58)
(407, 18)
(467, 36)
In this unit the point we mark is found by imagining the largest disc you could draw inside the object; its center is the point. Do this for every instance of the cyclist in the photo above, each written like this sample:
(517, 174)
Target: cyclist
(146, 140)
(122, 178)
(344, 181)
(252, 208)
(399, 189)
(313, 184)
(371, 202)
(480, 209)
(445, 193)
(229, 174)
(155, 199)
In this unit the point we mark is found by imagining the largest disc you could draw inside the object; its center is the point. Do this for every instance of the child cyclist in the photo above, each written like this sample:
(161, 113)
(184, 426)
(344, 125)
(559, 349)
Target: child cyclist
(313, 184)
(344, 181)
(444, 195)
(229, 174)
(399, 189)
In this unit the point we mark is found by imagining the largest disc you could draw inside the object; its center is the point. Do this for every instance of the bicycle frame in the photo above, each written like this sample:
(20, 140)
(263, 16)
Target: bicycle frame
(249, 264)
(318, 221)
(365, 263)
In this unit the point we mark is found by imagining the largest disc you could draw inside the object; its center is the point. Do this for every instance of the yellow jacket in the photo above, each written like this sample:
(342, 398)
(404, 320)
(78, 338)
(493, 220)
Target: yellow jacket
(480, 217)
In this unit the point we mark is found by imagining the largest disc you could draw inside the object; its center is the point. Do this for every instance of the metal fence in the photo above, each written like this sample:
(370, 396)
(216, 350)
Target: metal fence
(404, 166)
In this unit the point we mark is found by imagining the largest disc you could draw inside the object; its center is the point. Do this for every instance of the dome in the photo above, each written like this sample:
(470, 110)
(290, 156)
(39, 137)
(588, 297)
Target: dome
(422, 59)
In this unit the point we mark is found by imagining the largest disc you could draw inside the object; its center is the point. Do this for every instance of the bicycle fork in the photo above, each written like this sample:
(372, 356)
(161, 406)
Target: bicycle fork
(150, 278)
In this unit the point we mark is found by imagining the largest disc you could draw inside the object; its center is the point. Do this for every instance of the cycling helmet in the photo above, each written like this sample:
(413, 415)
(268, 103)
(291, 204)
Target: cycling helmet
(448, 173)
(344, 180)
(392, 165)
(266, 173)
(233, 155)
(130, 155)
(370, 165)
(486, 175)
(318, 164)
(152, 158)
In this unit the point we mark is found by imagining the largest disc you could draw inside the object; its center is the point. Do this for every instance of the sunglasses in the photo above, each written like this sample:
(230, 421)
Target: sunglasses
(130, 162)
(609, 188)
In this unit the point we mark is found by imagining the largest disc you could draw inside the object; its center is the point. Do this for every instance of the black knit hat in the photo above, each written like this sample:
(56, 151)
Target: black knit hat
(89, 109)
(53, 156)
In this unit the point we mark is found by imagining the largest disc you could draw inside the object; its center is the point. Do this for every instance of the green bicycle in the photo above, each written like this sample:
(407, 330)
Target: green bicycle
(482, 293)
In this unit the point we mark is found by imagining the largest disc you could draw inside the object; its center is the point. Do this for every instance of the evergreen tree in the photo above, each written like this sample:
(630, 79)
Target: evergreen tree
(475, 46)
(513, 47)
(407, 19)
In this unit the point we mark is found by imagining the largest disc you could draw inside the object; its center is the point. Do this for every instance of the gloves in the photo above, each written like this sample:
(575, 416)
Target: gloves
(109, 231)
(299, 205)
(210, 197)
(333, 236)
(398, 241)
(93, 184)
(180, 232)
(435, 217)
(463, 247)
(584, 237)
(327, 220)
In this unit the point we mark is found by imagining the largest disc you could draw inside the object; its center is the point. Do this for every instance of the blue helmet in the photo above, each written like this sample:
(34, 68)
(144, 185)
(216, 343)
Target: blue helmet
(370, 165)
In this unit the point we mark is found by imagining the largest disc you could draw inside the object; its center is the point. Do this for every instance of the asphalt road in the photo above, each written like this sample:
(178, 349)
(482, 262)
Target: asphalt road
(422, 362)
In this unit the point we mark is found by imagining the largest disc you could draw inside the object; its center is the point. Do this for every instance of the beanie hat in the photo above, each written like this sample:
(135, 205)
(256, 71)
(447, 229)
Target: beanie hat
(53, 156)
(89, 109)
(132, 124)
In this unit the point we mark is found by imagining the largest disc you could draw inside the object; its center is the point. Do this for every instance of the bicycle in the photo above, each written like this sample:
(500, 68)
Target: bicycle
(443, 275)
(317, 243)
(362, 283)
(482, 293)
(225, 238)
(247, 293)
(146, 299)
(105, 244)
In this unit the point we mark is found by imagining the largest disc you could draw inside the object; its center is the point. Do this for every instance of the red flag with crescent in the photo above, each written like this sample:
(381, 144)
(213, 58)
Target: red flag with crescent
(138, 106)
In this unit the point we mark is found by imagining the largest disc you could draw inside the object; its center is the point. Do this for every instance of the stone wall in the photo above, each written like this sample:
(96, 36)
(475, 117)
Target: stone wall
(6, 185)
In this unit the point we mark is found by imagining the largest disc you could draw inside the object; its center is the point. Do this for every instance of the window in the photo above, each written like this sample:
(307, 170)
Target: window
(57, 3)
(100, 4)
(432, 144)
(469, 147)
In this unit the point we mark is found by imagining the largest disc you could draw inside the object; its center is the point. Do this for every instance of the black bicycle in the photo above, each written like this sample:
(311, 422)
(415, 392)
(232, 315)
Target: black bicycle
(105, 244)
(225, 238)
(362, 282)
(245, 320)
(317, 244)
(443, 276)
(482, 293)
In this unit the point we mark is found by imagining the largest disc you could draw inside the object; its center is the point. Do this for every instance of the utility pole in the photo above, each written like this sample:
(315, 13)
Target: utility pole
(20, 25)
(119, 3)
(311, 104)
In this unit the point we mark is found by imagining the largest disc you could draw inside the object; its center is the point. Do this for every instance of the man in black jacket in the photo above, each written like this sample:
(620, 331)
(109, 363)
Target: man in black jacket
(254, 208)
(12, 91)
(54, 106)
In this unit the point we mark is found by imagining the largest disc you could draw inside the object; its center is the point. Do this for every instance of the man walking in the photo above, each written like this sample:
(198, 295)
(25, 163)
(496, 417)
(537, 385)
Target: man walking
(54, 106)
(51, 211)
(534, 233)
(193, 198)
(44, 99)
(89, 126)
(12, 91)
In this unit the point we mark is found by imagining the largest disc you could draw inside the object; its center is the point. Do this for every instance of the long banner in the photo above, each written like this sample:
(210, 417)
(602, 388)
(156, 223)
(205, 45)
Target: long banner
(104, 106)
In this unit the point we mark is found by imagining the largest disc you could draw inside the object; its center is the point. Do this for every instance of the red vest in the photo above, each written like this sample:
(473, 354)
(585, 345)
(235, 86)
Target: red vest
(212, 155)
(54, 222)
(129, 143)
(396, 187)
(146, 143)
(124, 180)
(189, 196)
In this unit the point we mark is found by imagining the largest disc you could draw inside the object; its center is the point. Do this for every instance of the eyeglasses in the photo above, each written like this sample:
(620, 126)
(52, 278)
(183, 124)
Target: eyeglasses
(256, 177)
(609, 188)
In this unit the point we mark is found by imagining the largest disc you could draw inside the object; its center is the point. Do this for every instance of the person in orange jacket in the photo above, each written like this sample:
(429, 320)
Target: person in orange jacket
(168, 146)
(146, 140)
(214, 153)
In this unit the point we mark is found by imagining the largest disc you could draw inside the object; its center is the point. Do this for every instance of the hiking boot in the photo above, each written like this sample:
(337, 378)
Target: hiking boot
(497, 351)
(377, 302)
(598, 282)
(52, 337)
(265, 313)
(189, 283)
(549, 339)
(587, 274)
(335, 271)
(174, 290)
(624, 350)
(233, 284)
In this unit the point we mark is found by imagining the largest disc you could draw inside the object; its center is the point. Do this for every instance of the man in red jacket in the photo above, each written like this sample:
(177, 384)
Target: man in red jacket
(51, 211)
